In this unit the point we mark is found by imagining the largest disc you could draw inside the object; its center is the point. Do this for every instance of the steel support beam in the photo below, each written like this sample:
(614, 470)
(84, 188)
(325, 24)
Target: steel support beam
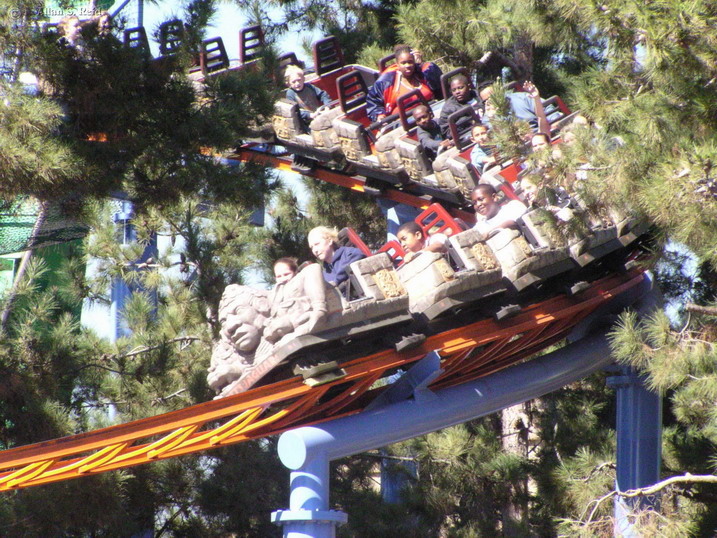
(639, 438)
(308, 451)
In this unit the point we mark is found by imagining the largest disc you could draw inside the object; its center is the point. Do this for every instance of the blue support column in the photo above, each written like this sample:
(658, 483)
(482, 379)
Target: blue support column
(639, 436)
(396, 214)
(395, 478)
(120, 292)
(140, 12)
(308, 515)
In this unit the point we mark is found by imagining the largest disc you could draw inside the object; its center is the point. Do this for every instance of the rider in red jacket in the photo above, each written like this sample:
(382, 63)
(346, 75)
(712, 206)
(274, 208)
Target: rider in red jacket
(404, 76)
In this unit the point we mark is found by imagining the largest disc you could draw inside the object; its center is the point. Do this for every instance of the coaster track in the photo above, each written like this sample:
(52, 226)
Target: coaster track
(248, 153)
(468, 352)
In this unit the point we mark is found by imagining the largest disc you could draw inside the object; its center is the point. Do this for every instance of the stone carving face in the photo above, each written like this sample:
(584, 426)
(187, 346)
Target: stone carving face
(252, 321)
(239, 328)
(225, 367)
(242, 314)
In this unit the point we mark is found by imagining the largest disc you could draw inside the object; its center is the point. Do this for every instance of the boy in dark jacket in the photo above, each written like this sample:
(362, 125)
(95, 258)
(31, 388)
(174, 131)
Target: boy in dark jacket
(429, 133)
(462, 95)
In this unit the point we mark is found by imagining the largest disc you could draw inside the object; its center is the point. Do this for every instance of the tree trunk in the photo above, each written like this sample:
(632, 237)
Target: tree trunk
(518, 438)
(523, 57)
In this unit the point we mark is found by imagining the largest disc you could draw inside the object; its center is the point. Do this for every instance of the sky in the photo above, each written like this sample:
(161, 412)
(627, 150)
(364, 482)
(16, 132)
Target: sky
(226, 23)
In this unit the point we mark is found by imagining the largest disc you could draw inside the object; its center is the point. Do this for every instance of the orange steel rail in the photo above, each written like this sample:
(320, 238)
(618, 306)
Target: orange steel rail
(355, 183)
(468, 352)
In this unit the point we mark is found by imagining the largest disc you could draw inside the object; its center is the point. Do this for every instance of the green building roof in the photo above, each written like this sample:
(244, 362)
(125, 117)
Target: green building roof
(27, 223)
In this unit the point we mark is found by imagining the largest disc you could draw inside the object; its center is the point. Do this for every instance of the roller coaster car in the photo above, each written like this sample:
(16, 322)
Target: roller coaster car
(434, 287)
(94, 123)
(350, 126)
(582, 249)
(251, 42)
(136, 38)
(297, 326)
(300, 318)
(452, 169)
(213, 57)
(171, 35)
(604, 235)
(372, 146)
(610, 230)
(384, 145)
(213, 60)
(434, 284)
(344, 84)
(627, 227)
(414, 158)
(482, 262)
(525, 264)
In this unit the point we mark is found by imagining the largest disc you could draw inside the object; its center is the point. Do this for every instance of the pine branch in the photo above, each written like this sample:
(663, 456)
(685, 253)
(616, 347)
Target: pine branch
(509, 62)
(164, 399)
(23, 266)
(697, 309)
(102, 367)
(170, 521)
(606, 465)
(144, 349)
(103, 405)
(683, 479)
(653, 489)
(403, 458)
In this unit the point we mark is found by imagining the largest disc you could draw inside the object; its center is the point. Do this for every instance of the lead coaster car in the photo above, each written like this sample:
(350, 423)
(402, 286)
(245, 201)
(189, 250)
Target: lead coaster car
(299, 316)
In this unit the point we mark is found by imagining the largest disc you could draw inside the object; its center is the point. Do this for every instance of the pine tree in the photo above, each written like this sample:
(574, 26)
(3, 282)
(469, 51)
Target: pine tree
(114, 121)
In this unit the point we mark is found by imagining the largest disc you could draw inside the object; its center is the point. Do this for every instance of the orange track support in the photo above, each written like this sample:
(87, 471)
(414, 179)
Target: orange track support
(468, 352)
(355, 183)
